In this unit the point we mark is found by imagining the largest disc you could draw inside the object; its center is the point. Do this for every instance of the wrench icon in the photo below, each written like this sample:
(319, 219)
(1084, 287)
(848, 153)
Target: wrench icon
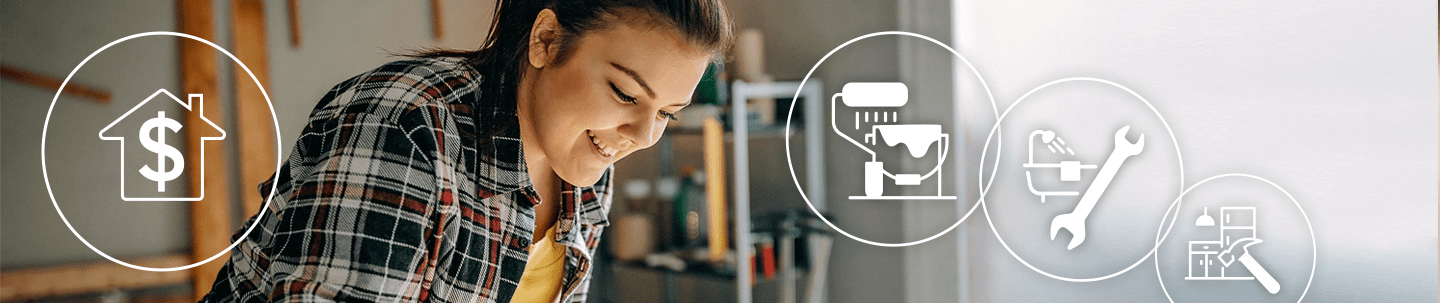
(1075, 220)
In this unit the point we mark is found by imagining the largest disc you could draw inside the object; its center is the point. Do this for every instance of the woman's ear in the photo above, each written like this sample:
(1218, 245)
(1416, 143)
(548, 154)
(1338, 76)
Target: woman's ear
(544, 39)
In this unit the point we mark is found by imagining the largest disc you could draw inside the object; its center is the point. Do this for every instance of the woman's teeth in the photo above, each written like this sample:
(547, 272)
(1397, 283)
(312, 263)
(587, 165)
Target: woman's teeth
(604, 150)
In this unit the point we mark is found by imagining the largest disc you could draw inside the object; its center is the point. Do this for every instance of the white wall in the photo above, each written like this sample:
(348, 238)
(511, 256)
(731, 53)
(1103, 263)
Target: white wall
(1334, 101)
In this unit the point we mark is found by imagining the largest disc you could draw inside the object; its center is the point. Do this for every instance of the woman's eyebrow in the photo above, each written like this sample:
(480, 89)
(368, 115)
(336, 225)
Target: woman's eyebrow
(637, 78)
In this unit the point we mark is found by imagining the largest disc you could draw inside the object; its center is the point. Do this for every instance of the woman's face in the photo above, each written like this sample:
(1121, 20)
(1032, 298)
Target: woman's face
(612, 95)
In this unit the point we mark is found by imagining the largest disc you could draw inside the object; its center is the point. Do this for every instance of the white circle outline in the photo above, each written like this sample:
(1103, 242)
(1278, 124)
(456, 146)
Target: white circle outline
(44, 134)
(791, 163)
(1314, 247)
(986, 188)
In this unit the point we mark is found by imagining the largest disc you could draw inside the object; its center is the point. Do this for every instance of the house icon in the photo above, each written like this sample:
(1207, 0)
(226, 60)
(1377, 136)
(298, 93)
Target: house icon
(157, 126)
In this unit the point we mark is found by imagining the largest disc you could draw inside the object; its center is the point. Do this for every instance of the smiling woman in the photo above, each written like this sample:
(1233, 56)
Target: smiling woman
(459, 175)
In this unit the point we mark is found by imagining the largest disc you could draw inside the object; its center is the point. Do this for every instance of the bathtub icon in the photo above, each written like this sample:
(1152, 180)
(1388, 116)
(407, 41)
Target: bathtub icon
(1069, 170)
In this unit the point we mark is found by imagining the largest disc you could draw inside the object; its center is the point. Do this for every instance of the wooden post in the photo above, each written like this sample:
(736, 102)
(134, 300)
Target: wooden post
(254, 126)
(437, 22)
(210, 225)
(293, 11)
(43, 81)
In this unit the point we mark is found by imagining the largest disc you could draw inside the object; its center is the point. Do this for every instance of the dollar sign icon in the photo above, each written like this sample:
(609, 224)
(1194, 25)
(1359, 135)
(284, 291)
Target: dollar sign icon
(158, 126)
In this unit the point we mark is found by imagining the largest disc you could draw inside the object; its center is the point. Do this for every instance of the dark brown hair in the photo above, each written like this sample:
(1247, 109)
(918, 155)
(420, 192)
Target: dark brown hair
(501, 59)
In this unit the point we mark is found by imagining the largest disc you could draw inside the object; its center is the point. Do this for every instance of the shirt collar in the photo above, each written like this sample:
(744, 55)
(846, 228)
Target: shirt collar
(501, 166)
(592, 209)
(507, 172)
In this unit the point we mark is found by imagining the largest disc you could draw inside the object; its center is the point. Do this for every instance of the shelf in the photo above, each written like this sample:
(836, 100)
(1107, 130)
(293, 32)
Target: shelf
(810, 132)
(688, 286)
(815, 187)
(694, 270)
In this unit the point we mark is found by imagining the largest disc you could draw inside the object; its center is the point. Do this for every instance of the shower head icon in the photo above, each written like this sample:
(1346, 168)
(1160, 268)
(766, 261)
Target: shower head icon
(874, 100)
(1046, 136)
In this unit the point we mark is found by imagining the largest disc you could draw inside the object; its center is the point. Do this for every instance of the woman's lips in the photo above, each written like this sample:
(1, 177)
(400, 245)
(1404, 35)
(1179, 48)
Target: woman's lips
(600, 147)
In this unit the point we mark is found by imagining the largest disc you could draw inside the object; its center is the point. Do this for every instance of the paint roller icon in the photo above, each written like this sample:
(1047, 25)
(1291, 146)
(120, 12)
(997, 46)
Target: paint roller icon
(917, 138)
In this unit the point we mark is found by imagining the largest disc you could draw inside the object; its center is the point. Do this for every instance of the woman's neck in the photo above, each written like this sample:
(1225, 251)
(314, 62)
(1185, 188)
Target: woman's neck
(537, 164)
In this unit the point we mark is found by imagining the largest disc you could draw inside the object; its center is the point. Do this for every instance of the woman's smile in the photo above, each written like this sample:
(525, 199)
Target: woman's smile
(606, 151)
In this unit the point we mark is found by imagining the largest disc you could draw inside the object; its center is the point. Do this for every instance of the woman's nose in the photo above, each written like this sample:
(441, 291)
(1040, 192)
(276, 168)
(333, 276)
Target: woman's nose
(642, 131)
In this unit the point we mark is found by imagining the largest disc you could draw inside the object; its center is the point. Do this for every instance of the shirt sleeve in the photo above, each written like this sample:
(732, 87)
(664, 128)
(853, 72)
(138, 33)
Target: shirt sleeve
(352, 210)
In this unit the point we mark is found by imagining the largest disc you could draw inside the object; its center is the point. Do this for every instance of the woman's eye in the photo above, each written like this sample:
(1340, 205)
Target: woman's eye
(631, 100)
(621, 94)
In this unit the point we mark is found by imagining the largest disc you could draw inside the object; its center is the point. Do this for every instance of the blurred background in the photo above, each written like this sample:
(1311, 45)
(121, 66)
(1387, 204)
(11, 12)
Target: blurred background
(1336, 102)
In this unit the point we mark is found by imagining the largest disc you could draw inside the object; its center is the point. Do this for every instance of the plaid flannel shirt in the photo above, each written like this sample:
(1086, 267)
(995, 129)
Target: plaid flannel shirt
(385, 199)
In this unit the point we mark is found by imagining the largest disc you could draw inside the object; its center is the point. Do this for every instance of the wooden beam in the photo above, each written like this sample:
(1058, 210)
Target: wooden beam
(255, 128)
(437, 22)
(90, 277)
(43, 81)
(210, 225)
(293, 14)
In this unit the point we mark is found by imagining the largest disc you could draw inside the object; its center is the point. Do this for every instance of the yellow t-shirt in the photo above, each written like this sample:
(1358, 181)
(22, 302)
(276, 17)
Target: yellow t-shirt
(541, 281)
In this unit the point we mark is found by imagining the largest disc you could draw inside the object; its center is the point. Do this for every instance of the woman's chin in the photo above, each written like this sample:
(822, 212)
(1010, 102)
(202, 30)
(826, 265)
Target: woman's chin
(584, 176)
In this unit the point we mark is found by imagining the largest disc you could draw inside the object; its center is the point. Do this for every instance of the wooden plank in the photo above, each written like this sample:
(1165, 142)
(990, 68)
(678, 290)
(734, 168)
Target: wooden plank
(437, 23)
(255, 128)
(90, 277)
(715, 189)
(293, 14)
(210, 225)
(52, 83)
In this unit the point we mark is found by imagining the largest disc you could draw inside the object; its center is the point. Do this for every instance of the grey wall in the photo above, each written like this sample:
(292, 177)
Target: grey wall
(343, 39)
(340, 39)
(52, 37)
(797, 34)
(1334, 101)
(932, 270)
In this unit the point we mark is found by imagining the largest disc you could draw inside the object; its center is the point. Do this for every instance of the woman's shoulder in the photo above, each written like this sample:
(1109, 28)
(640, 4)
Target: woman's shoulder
(437, 73)
(399, 87)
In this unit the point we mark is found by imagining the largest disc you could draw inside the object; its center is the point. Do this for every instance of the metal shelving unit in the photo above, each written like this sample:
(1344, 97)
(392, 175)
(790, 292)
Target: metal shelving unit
(812, 93)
